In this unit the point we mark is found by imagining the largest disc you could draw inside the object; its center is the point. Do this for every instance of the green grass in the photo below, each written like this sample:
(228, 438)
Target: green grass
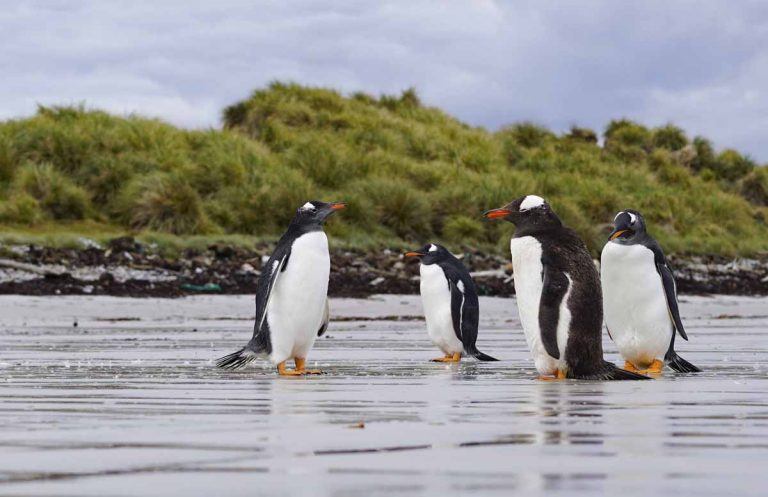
(410, 173)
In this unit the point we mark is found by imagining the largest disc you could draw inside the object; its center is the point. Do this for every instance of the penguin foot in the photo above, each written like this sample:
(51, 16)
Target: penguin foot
(300, 362)
(558, 375)
(654, 368)
(630, 367)
(449, 358)
(282, 371)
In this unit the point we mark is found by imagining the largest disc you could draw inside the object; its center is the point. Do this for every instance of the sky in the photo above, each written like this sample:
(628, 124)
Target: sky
(700, 65)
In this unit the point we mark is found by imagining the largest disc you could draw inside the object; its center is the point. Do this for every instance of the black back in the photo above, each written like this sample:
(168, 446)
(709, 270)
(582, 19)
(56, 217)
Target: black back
(564, 252)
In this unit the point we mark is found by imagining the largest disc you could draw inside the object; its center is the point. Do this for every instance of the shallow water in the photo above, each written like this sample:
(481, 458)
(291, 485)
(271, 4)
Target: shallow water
(129, 403)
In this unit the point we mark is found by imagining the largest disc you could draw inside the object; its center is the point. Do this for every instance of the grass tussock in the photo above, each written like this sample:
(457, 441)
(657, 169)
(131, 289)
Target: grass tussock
(410, 173)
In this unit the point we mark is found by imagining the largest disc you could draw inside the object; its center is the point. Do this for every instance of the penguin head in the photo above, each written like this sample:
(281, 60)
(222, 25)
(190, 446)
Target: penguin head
(430, 253)
(316, 212)
(628, 226)
(525, 211)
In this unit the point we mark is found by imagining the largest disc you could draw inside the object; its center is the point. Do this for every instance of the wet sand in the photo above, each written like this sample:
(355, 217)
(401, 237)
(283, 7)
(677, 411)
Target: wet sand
(129, 403)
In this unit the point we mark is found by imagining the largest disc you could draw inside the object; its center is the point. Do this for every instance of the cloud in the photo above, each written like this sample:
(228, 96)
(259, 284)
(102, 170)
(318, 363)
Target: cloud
(702, 65)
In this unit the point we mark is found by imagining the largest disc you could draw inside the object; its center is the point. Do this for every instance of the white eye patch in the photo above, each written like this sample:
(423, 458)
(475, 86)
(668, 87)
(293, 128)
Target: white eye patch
(308, 207)
(632, 217)
(531, 202)
(432, 248)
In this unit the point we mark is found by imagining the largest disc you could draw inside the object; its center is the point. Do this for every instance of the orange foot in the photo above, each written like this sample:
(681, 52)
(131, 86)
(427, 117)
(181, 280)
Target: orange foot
(630, 367)
(300, 362)
(654, 368)
(558, 375)
(449, 358)
(282, 371)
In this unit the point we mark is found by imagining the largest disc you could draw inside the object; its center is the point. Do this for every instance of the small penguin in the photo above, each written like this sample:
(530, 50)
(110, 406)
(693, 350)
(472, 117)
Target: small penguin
(558, 294)
(292, 294)
(450, 302)
(640, 302)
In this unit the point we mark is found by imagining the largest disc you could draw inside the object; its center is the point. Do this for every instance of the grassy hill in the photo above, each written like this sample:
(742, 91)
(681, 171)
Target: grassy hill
(410, 174)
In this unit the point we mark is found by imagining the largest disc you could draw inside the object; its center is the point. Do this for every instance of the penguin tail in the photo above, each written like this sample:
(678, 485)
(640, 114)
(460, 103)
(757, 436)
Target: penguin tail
(472, 350)
(679, 364)
(482, 357)
(236, 360)
(609, 372)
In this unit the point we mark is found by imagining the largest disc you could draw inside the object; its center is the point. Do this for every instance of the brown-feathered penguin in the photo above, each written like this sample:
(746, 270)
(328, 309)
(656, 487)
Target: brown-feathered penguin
(292, 294)
(640, 298)
(451, 306)
(558, 294)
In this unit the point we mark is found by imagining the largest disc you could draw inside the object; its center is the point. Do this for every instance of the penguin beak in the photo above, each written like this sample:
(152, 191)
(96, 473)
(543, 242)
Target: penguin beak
(337, 206)
(617, 233)
(414, 254)
(497, 213)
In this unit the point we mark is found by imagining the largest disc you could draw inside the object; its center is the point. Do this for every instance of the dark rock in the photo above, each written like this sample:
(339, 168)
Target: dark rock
(125, 244)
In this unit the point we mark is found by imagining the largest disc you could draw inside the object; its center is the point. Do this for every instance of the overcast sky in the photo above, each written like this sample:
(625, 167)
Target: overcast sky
(700, 64)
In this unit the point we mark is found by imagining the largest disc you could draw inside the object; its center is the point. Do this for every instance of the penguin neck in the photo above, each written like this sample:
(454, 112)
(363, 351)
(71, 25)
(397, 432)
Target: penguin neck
(536, 225)
(297, 229)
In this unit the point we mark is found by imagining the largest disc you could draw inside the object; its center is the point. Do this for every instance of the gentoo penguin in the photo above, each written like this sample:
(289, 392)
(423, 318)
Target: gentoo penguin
(640, 301)
(292, 294)
(558, 294)
(450, 302)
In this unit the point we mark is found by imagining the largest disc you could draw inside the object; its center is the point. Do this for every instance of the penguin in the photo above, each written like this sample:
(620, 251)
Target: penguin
(640, 305)
(450, 302)
(292, 294)
(558, 294)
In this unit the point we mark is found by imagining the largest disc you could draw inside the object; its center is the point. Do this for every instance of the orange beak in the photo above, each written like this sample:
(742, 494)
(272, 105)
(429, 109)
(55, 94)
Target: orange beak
(618, 234)
(337, 206)
(413, 254)
(497, 213)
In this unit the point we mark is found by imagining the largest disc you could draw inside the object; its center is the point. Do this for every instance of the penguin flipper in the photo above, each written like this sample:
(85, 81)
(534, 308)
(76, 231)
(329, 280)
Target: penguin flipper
(465, 314)
(326, 320)
(269, 275)
(555, 286)
(670, 291)
(462, 313)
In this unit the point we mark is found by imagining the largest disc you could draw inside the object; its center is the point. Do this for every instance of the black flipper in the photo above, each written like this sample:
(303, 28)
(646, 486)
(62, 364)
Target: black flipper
(554, 288)
(609, 372)
(670, 289)
(326, 320)
(670, 292)
(465, 312)
(269, 274)
(260, 343)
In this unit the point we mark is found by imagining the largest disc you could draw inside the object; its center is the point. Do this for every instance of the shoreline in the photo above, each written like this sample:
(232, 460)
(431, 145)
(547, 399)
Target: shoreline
(127, 268)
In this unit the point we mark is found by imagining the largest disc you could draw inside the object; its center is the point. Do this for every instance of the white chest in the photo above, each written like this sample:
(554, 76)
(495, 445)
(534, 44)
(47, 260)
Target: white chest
(436, 299)
(298, 299)
(527, 267)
